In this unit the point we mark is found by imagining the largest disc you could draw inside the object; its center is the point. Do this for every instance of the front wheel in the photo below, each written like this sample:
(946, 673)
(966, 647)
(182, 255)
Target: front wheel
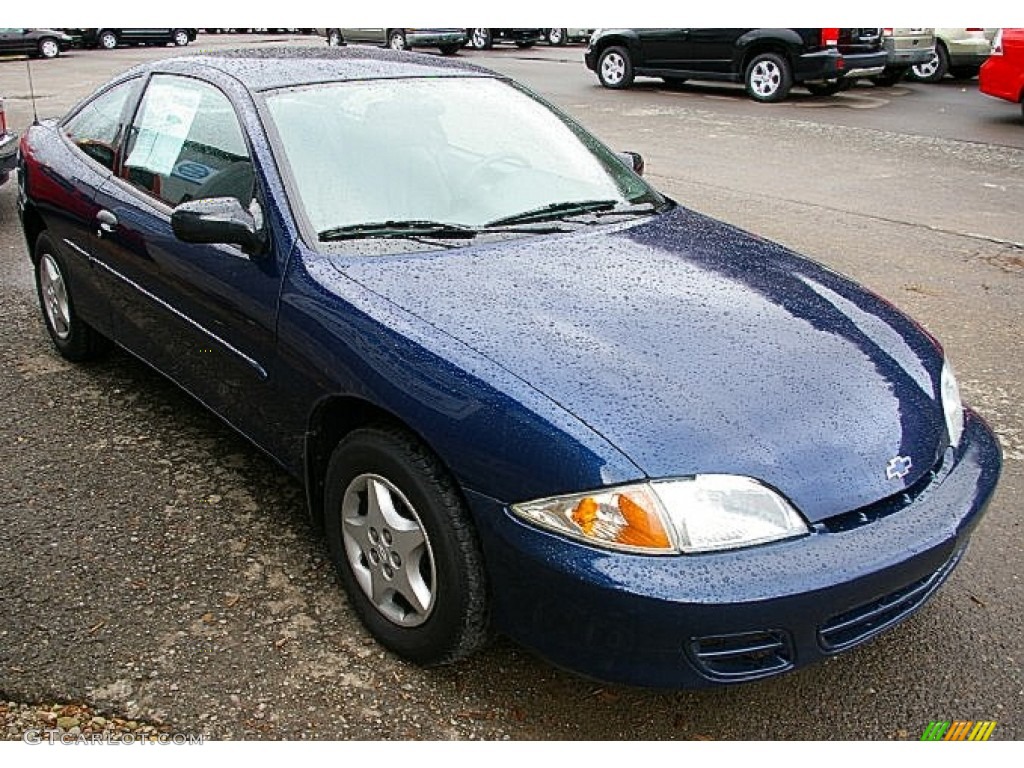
(334, 38)
(768, 78)
(74, 339)
(49, 48)
(481, 39)
(615, 68)
(405, 547)
(180, 38)
(397, 41)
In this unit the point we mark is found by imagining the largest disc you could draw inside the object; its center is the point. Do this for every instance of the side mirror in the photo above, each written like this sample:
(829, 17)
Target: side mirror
(633, 160)
(217, 220)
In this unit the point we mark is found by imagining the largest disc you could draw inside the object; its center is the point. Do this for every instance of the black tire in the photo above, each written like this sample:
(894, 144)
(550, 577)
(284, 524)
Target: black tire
(429, 504)
(768, 78)
(557, 37)
(449, 50)
(674, 82)
(107, 39)
(397, 40)
(180, 37)
(481, 39)
(964, 73)
(934, 69)
(824, 89)
(49, 48)
(889, 78)
(615, 68)
(334, 37)
(74, 339)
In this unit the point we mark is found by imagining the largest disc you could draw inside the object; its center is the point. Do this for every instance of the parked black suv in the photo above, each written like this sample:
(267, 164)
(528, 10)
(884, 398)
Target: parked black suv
(109, 38)
(767, 61)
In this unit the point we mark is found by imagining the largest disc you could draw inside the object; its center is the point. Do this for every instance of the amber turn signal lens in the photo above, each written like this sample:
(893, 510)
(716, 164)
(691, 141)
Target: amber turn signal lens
(643, 528)
(585, 515)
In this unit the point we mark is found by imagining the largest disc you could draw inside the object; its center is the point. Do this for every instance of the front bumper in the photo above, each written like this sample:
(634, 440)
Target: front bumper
(699, 620)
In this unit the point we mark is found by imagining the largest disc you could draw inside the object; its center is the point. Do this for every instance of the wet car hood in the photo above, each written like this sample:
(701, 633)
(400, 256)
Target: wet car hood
(695, 347)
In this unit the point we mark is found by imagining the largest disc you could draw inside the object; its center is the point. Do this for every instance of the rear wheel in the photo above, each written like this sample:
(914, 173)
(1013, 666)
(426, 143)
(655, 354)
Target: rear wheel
(74, 339)
(180, 38)
(768, 77)
(405, 547)
(49, 48)
(108, 39)
(615, 68)
(935, 68)
(558, 36)
(334, 38)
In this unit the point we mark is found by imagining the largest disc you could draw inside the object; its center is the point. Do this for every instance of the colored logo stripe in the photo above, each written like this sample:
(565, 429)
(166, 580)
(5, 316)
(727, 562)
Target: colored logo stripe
(958, 730)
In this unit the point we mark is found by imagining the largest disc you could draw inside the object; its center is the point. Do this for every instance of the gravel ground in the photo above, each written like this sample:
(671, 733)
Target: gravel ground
(29, 721)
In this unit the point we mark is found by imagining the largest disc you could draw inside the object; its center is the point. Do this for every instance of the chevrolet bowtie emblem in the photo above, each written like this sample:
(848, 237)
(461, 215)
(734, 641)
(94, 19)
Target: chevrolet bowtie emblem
(898, 467)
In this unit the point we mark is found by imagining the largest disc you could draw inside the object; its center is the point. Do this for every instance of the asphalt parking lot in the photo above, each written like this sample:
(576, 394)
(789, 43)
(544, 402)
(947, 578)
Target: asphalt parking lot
(158, 567)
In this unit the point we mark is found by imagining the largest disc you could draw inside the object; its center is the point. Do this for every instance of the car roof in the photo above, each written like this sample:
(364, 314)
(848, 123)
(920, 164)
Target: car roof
(263, 69)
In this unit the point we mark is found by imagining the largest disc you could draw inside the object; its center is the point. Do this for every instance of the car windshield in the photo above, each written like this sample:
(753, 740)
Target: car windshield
(459, 151)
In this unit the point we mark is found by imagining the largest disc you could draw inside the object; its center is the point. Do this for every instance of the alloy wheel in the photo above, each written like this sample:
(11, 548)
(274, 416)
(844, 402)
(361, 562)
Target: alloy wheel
(765, 78)
(55, 297)
(613, 68)
(49, 49)
(928, 68)
(388, 549)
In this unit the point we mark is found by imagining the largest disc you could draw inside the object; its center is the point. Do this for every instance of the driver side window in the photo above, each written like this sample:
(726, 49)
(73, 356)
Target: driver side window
(186, 144)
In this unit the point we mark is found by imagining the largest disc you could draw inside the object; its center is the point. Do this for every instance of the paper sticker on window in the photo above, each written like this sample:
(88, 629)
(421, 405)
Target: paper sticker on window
(166, 121)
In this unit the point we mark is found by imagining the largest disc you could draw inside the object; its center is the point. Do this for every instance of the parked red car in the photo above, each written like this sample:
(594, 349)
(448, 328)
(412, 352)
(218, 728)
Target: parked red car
(1002, 74)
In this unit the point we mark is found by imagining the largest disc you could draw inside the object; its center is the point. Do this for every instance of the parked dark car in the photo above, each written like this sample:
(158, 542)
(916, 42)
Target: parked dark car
(767, 61)
(45, 43)
(110, 38)
(483, 39)
(523, 389)
(448, 41)
(8, 146)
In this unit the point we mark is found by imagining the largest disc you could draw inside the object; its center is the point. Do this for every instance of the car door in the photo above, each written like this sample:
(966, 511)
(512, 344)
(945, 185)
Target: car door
(364, 35)
(86, 159)
(204, 314)
(12, 40)
(712, 50)
(664, 48)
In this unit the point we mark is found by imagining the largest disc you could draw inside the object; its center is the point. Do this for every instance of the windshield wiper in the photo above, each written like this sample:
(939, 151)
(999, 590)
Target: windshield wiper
(411, 228)
(555, 210)
(577, 208)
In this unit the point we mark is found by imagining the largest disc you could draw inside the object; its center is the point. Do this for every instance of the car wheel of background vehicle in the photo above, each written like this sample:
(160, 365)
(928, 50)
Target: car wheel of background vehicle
(49, 48)
(180, 37)
(449, 50)
(768, 78)
(405, 547)
(889, 78)
(397, 41)
(963, 73)
(824, 89)
(614, 68)
(334, 37)
(481, 39)
(108, 40)
(558, 37)
(73, 338)
(935, 68)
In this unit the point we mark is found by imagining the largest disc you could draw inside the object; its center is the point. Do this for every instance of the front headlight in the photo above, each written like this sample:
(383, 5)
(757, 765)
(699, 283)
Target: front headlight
(697, 514)
(952, 406)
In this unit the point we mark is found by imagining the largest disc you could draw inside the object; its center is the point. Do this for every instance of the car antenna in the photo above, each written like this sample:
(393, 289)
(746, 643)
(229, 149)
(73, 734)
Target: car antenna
(31, 91)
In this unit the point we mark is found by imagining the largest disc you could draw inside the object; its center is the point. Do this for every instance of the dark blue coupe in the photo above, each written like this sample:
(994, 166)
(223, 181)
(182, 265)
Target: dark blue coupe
(524, 390)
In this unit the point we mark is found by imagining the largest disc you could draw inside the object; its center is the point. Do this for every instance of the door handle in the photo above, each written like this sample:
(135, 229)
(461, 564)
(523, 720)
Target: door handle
(107, 222)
